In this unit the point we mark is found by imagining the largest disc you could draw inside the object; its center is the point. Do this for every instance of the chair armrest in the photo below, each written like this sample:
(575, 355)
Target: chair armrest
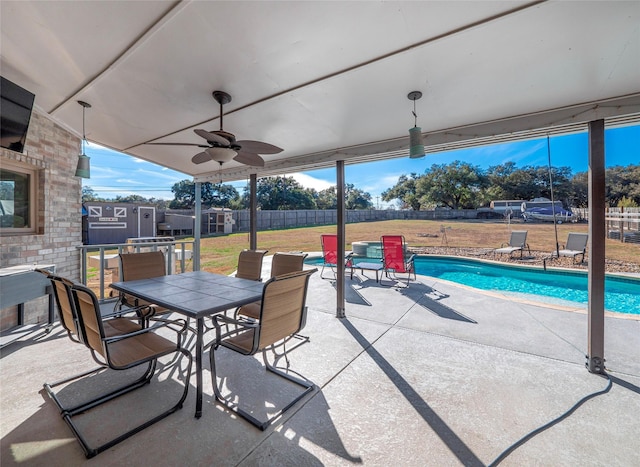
(239, 324)
(110, 340)
(117, 313)
(183, 324)
(348, 259)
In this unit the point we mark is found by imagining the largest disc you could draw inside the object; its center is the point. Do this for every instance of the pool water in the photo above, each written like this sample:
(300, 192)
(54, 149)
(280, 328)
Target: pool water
(622, 295)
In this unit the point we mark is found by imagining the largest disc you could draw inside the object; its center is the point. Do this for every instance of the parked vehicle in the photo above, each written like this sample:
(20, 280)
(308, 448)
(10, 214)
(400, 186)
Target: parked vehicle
(546, 214)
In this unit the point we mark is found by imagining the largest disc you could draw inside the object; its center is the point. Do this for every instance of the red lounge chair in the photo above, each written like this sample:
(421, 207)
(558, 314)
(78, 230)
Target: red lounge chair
(395, 259)
(330, 254)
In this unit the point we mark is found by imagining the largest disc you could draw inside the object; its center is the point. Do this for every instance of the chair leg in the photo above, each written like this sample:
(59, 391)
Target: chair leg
(141, 381)
(322, 272)
(262, 425)
(89, 451)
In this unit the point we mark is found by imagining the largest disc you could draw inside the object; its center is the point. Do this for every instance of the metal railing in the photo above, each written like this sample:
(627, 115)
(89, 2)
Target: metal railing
(176, 256)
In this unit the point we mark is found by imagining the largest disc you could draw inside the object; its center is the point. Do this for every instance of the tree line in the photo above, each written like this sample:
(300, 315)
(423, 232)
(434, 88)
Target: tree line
(457, 185)
(273, 193)
(460, 185)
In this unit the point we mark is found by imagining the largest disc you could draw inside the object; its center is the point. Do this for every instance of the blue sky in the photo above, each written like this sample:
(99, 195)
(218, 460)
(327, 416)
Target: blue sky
(114, 173)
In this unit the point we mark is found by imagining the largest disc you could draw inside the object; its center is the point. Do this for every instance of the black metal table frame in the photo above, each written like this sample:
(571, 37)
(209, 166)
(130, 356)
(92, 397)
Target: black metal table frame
(197, 295)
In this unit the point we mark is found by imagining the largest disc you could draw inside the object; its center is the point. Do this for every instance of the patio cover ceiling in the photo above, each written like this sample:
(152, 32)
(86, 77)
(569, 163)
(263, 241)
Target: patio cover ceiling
(326, 81)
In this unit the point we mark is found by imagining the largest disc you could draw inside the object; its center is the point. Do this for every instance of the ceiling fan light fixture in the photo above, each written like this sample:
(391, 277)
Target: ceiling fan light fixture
(221, 155)
(416, 143)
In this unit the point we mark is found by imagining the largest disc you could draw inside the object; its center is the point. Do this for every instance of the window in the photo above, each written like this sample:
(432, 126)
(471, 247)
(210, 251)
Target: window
(18, 202)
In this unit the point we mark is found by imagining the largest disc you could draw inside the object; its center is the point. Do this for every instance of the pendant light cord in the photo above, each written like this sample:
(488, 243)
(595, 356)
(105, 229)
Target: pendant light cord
(415, 116)
(84, 138)
(553, 203)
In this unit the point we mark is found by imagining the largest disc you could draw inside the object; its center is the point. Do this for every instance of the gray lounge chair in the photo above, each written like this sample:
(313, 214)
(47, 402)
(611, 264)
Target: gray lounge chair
(576, 245)
(517, 242)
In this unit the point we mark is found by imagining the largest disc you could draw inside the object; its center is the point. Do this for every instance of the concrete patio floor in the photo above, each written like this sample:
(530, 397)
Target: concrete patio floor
(433, 374)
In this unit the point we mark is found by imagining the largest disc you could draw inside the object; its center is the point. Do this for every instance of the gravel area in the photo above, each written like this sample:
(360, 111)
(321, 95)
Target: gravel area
(535, 258)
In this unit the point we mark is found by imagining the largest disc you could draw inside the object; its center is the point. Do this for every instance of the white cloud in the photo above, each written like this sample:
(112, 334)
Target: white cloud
(308, 181)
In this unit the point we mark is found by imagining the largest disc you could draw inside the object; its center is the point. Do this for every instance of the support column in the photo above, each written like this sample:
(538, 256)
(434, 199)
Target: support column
(197, 223)
(597, 236)
(340, 305)
(253, 212)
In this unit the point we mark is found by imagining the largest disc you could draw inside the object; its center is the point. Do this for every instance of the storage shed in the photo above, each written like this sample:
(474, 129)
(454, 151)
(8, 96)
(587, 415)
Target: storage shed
(109, 222)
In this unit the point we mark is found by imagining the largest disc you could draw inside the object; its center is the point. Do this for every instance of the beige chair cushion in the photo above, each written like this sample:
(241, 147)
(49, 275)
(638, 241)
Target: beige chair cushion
(136, 348)
(117, 326)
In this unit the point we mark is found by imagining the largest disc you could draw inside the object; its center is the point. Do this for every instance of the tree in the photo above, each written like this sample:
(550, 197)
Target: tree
(458, 185)
(405, 191)
(131, 199)
(579, 190)
(627, 203)
(89, 195)
(355, 198)
(622, 182)
(283, 193)
(327, 198)
(212, 195)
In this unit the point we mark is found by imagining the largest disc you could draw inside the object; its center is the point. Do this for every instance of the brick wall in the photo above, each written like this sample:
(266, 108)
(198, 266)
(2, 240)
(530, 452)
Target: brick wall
(53, 151)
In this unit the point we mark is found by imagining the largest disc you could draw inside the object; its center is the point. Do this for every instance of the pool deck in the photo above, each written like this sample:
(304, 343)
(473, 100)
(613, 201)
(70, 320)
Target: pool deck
(432, 374)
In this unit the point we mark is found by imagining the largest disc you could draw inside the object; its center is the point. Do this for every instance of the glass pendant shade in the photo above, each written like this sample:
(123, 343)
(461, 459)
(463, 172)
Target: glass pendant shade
(221, 155)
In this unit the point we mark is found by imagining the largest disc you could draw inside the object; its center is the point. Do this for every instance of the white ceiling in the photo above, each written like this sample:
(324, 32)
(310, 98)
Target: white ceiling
(323, 80)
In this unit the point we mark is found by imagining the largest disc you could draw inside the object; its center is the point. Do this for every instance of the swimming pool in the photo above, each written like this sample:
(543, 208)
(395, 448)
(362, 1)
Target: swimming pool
(622, 295)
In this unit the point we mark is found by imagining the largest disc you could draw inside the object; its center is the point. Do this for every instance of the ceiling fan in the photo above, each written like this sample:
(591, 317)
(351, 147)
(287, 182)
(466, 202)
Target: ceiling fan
(222, 146)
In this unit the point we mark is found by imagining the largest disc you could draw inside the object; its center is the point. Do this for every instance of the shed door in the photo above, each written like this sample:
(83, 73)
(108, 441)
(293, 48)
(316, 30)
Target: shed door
(146, 222)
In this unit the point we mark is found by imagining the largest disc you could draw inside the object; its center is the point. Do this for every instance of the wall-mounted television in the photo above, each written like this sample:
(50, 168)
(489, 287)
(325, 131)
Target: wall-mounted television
(15, 112)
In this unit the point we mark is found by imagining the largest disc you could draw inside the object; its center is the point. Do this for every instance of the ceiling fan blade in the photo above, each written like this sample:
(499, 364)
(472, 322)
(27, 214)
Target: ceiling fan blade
(181, 144)
(249, 158)
(201, 158)
(259, 147)
(211, 137)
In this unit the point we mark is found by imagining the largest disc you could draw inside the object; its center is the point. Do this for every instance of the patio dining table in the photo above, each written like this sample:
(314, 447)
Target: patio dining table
(197, 295)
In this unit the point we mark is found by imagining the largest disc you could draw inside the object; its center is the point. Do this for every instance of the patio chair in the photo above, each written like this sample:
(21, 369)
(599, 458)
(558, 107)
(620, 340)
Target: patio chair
(250, 264)
(136, 266)
(517, 242)
(282, 314)
(329, 244)
(62, 295)
(282, 263)
(131, 346)
(395, 259)
(576, 245)
(113, 325)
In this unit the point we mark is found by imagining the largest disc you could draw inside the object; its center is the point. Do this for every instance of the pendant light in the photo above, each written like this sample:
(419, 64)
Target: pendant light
(83, 168)
(416, 144)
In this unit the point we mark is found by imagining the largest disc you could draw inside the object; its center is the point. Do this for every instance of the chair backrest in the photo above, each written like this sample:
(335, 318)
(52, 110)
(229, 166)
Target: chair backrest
(136, 266)
(89, 317)
(393, 252)
(285, 263)
(577, 241)
(64, 300)
(282, 306)
(250, 264)
(518, 238)
(329, 248)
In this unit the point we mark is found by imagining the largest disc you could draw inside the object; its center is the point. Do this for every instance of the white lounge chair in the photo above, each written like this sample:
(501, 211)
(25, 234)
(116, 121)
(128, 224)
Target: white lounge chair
(517, 242)
(576, 245)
